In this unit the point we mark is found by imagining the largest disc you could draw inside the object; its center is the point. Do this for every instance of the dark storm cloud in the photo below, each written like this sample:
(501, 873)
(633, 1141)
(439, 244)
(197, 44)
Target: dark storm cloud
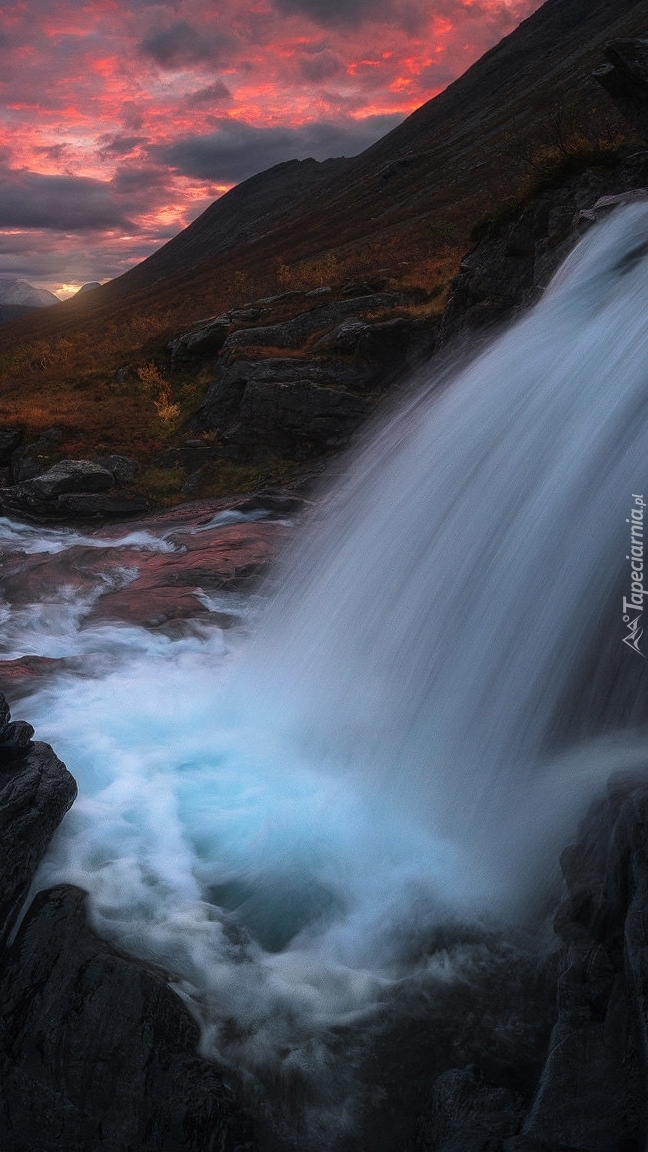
(137, 179)
(216, 93)
(181, 44)
(318, 66)
(237, 150)
(350, 13)
(116, 147)
(65, 203)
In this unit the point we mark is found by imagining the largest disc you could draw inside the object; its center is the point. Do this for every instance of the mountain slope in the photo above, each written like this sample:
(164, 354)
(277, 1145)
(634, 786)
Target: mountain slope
(428, 159)
(253, 208)
(404, 208)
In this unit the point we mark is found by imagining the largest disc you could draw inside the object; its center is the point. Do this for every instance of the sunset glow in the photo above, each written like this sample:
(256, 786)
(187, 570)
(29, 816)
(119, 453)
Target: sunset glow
(123, 119)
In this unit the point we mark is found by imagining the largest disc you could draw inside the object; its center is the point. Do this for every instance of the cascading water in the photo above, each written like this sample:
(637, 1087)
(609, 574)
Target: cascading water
(436, 689)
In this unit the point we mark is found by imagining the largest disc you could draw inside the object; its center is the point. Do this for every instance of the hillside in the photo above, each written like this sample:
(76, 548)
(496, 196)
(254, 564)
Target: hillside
(403, 211)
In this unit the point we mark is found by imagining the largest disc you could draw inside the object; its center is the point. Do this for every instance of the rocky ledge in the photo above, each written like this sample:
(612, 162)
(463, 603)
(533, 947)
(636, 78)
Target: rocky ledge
(299, 387)
(519, 248)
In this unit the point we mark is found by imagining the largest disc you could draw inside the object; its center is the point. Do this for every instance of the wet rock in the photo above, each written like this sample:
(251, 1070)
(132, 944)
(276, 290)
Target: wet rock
(5, 716)
(625, 79)
(604, 205)
(15, 738)
(215, 555)
(467, 1114)
(36, 791)
(97, 1052)
(27, 672)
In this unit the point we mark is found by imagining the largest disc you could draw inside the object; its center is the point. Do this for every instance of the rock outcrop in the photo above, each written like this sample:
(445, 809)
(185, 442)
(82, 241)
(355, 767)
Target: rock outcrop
(328, 367)
(512, 263)
(593, 1087)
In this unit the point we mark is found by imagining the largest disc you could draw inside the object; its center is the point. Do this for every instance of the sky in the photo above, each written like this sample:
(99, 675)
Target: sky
(122, 120)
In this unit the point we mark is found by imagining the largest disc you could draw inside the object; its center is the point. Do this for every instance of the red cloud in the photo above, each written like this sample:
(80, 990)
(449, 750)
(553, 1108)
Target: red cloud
(132, 88)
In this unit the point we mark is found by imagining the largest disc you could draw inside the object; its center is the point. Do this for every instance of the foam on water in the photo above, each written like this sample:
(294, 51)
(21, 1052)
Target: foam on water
(280, 821)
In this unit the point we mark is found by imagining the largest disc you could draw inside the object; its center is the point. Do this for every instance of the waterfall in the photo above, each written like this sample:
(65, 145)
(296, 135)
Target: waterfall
(440, 682)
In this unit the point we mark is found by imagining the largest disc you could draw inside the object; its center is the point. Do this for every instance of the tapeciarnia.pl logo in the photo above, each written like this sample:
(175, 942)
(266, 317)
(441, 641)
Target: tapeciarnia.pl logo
(636, 602)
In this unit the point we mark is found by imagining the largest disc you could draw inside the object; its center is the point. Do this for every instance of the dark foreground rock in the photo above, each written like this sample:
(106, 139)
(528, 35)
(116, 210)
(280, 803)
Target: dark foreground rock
(99, 1053)
(593, 1088)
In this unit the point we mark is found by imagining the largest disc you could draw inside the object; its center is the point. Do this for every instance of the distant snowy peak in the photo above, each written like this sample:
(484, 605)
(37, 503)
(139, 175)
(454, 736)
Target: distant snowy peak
(20, 292)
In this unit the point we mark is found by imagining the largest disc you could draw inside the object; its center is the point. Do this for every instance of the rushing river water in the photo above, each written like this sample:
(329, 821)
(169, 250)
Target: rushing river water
(282, 794)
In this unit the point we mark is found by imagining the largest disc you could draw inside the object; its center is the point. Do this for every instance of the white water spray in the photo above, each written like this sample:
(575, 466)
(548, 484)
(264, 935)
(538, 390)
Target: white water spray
(397, 745)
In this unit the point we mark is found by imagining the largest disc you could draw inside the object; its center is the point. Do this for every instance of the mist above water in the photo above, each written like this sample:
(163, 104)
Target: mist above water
(437, 687)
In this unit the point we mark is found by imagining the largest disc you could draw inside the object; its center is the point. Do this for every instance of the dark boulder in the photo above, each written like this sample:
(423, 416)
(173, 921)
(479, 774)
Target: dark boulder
(75, 489)
(204, 340)
(97, 1052)
(393, 346)
(66, 476)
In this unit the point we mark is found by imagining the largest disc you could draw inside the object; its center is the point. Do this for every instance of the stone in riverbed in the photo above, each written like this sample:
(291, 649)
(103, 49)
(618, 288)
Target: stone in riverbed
(67, 476)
